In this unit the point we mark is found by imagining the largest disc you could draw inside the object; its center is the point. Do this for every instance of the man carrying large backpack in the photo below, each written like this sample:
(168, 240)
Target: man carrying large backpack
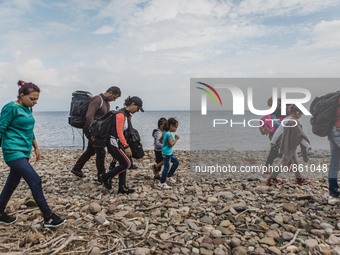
(98, 107)
(333, 174)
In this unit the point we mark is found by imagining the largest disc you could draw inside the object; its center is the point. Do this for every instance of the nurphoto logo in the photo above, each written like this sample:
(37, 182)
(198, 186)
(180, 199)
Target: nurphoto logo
(239, 99)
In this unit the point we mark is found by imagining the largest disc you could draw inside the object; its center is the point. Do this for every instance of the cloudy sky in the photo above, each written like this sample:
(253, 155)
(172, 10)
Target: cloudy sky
(151, 48)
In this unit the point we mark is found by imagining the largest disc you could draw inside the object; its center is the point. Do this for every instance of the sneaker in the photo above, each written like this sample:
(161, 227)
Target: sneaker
(53, 221)
(164, 185)
(171, 180)
(7, 219)
(157, 177)
(107, 182)
(125, 190)
(333, 200)
(77, 173)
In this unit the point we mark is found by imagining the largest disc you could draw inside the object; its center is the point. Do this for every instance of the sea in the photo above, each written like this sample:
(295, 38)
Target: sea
(52, 131)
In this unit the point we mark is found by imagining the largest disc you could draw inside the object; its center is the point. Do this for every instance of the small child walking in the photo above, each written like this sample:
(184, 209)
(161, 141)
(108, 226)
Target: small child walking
(157, 144)
(292, 137)
(169, 140)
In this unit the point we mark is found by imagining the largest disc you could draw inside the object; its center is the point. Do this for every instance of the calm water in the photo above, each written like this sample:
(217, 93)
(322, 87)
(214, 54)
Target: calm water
(53, 132)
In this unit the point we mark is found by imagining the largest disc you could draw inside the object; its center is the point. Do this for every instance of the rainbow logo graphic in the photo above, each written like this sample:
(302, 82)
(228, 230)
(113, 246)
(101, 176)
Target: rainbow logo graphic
(210, 92)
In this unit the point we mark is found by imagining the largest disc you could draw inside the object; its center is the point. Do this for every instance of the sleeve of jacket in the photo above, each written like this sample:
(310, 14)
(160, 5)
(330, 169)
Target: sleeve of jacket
(6, 117)
(158, 135)
(120, 119)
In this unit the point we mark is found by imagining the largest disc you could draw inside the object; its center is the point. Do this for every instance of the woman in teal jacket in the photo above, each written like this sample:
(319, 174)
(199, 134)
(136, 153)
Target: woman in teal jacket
(17, 139)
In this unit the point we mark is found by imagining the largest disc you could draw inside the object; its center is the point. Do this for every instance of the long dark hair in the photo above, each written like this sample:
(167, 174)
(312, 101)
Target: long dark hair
(128, 101)
(26, 88)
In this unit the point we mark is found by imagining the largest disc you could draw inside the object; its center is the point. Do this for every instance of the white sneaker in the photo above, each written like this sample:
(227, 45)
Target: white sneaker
(171, 180)
(333, 200)
(164, 185)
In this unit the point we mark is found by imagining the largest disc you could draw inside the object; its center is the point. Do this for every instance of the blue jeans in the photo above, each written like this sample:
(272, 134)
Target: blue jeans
(333, 173)
(166, 172)
(22, 168)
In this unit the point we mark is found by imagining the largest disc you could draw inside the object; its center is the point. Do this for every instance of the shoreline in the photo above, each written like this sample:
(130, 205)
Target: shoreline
(186, 150)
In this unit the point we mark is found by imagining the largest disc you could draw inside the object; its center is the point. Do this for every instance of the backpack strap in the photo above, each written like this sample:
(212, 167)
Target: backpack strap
(129, 124)
(126, 114)
(101, 102)
(83, 140)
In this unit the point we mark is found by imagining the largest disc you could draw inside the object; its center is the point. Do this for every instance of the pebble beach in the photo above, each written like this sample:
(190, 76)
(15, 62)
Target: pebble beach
(201, 214)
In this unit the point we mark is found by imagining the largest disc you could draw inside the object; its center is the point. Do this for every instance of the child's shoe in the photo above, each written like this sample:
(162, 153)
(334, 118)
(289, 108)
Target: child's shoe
(164, 185)
(333, 200)
(171, 180)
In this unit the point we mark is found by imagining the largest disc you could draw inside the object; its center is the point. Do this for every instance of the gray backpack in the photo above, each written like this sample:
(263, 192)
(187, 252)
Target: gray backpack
(323, 110)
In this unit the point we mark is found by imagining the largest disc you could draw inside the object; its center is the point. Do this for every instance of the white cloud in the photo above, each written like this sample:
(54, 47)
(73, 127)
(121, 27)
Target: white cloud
(152, 48)
(106, 29)
(161, 10)
(119, 11)
(274, 8)
(327, 34)
(35, 70)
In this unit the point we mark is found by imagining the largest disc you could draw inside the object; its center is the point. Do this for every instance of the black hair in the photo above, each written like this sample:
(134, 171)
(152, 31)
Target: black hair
(114, 90)
(161, 122)
(169, 122)
(128, 101)
(26, 88)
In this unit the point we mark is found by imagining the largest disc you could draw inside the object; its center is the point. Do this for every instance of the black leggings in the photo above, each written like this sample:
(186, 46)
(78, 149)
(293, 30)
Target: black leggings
(118, 153)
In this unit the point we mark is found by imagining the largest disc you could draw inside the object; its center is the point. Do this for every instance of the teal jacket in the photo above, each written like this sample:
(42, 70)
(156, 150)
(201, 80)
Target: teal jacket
(16, 131)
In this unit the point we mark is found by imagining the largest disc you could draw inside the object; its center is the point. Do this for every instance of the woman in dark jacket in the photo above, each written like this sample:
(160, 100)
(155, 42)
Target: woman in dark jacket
(118, 146)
